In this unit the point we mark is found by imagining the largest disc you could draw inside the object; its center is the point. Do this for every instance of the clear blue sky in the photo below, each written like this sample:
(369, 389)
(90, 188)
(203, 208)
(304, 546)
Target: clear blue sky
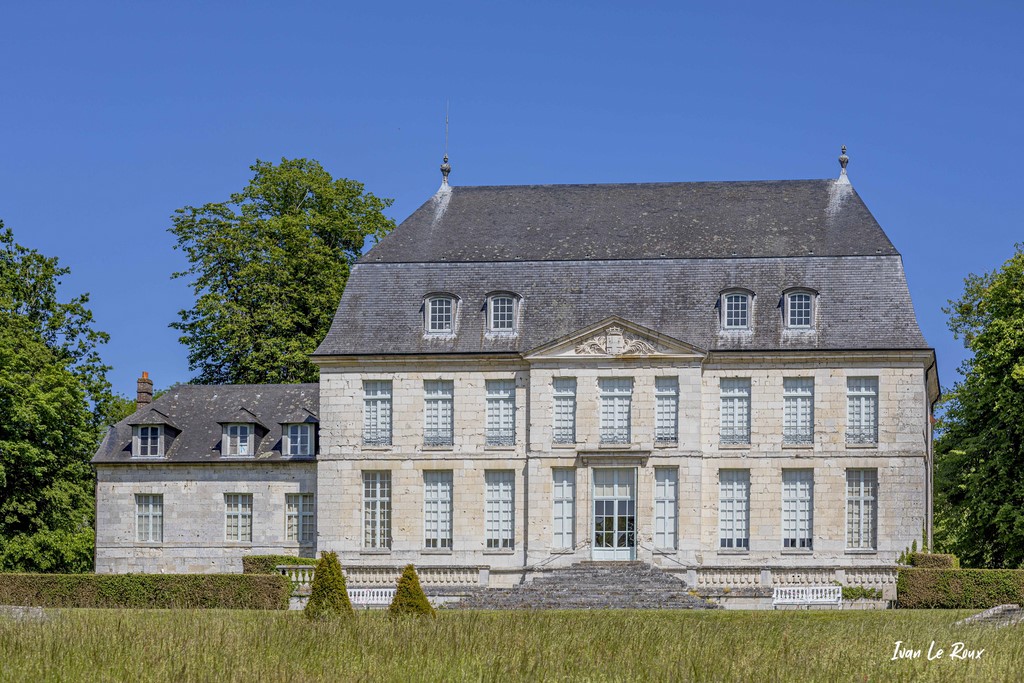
(114, 114)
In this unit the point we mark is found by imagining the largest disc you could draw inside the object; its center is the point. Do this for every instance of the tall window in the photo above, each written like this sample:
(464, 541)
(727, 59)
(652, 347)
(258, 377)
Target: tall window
(616, 402)
(564, 389)
(377, 510)
(238, 517)
(798, 309)
(501, 313)
(149, 445)
(862, 410)
(499, 509)
(501, 412)
(797, 509)
(437, 509)
(238, 439)
(861, 509)
(564, 495)
(300, 439)
(734, 509)
(798, 410)
(665, 502)
(440, 313)
(666, 409)
(735, 410)
(439, 428)
(300, 521)
(736, 311)
(377, 413)
(149, 517)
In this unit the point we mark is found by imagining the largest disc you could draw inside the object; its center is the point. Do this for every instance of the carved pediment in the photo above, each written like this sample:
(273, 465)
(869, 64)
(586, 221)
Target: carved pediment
(614, 342)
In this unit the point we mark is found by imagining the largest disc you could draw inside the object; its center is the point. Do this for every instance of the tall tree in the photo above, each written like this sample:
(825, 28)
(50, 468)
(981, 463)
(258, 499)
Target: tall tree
(268, 267)
(979, 481)
(54, 402)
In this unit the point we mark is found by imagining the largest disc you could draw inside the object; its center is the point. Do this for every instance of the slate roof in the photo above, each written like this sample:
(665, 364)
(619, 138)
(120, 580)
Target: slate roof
(197, 411)
(658, 255)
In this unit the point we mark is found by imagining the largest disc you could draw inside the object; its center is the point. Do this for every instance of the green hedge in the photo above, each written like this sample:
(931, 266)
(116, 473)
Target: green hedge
(265, 564)
(934, 561)
(959, 588)
(147, 591)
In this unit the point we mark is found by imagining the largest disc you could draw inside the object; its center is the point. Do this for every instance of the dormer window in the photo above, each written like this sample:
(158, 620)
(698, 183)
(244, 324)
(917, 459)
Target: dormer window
(501, 313)
(735, 311)
(148, 441)
(440, 315)
(298, 439)
(798, 309)
(238, 439)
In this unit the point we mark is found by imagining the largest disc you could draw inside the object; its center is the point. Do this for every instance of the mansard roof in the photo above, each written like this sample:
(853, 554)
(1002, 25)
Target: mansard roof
(195, 413)
(658, 255)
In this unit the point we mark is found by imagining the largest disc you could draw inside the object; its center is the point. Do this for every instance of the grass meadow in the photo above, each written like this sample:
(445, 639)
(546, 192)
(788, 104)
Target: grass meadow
(210, 645)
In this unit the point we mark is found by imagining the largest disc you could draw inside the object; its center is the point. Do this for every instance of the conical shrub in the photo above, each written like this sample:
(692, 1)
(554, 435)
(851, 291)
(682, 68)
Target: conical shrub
(329, 597)
(409, 597)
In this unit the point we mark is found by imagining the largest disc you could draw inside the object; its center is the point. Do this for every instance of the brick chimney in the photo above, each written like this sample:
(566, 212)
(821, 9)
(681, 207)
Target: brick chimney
(145, 392)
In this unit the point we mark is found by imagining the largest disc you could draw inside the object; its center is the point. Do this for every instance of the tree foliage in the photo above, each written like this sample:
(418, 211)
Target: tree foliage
(328, 597)
(979, 479)
(409, 596)
(268, 267)
(54, 401)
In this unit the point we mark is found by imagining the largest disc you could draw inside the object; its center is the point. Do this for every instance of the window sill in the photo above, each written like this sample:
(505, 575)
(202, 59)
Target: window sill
(145, 458)
(500, 448)
(436, 551)
(564, 446)
(617, 446)
(861, 551)
(664, 551)
(500, 551)
(149, 544)
(734, 446)
(732, 551)
(563, 551)
(798, 551)
(860, 446)
(439, 448)
(376, 448)
(375, 551)
(666, 444)
(797, 446)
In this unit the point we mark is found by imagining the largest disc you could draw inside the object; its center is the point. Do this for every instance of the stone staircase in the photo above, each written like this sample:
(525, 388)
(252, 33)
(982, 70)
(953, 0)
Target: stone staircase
(592, 585)
(1003, 615)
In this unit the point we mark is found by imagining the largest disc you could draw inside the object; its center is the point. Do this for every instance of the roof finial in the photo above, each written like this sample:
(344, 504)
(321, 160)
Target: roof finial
(446, 168)
(843, 161)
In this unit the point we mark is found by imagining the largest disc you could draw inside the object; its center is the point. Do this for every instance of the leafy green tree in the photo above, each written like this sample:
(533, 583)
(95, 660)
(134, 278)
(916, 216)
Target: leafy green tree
(409, 596)
(54, 402)
(979, 479)
(268, 267)
(328, 597)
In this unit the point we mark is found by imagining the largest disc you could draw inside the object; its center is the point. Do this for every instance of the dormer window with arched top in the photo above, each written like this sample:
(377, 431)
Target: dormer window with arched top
(502, 312)
(439, 314)
(798, 309)
(735, 310)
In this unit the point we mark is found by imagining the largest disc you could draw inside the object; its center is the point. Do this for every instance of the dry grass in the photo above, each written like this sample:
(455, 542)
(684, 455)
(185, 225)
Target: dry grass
(171, 645)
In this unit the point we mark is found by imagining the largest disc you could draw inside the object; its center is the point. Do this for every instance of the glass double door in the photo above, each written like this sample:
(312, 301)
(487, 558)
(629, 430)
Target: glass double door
(614, 524)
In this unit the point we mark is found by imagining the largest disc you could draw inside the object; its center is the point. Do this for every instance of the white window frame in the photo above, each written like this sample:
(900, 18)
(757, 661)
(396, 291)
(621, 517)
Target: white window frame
(799, 310)
(149, 517)
(736, 308)
(499, 509)
(500, 429)
(862, 509)
(616, 407)
(234, 446)
(377, 412)
(439, 412)
(666, 502)
(148, 438)
(797, 509)
(439, 314)
(300, 517)
(563, 508)
(797, 410)
(502, 313)
(377, 510)
(734, 410)
(734, 509)
(862, 410)
(238, 517)
(298, 439)
(438, 494)
(666, 410)
(563, 392)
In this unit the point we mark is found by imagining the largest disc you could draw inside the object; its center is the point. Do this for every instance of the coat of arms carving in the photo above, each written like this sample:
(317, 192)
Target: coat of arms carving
(614, 342)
